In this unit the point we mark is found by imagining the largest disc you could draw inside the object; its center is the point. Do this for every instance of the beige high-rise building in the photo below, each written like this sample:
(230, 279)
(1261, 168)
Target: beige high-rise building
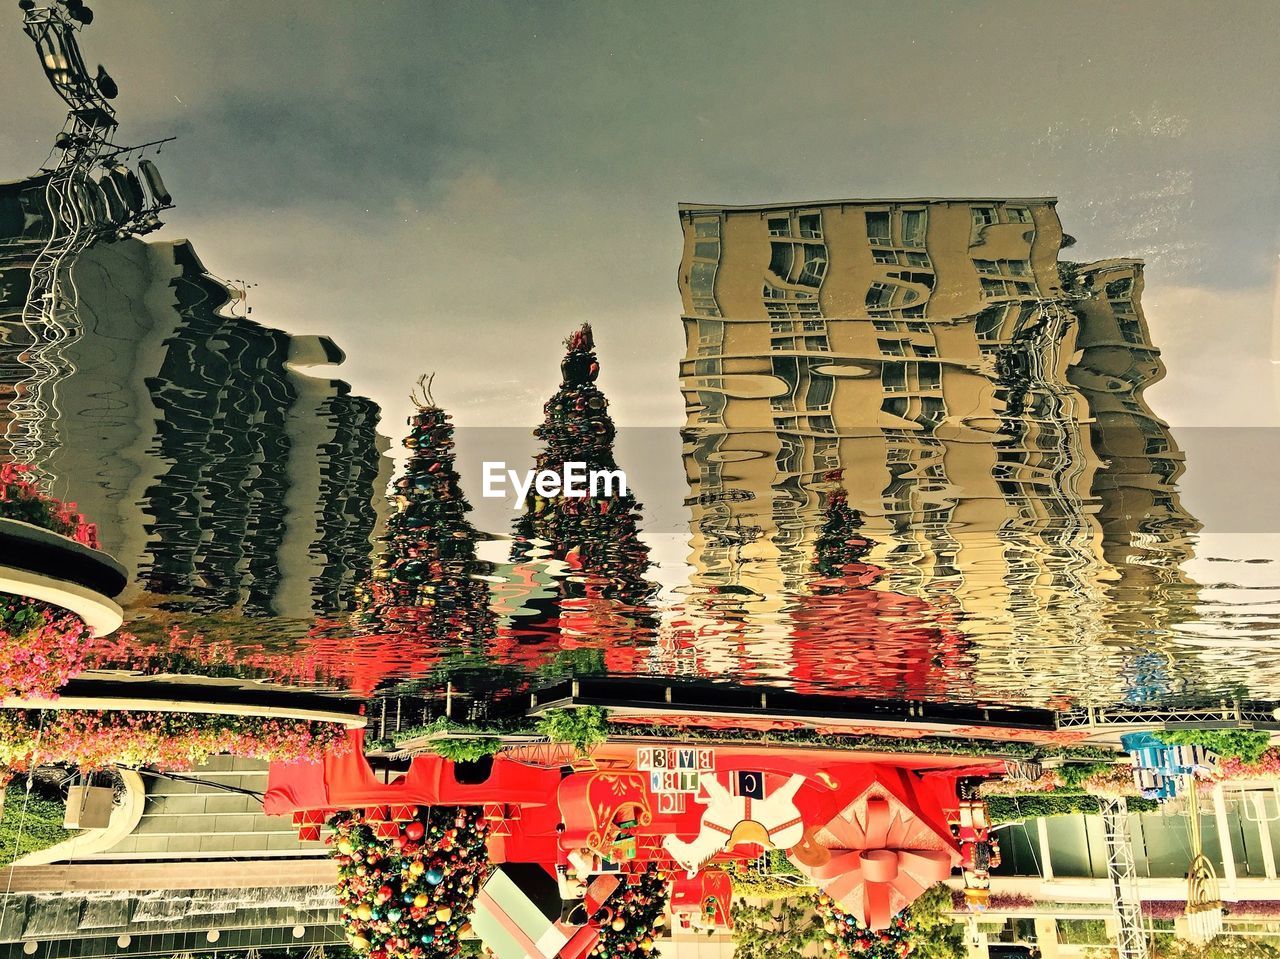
(935, 359)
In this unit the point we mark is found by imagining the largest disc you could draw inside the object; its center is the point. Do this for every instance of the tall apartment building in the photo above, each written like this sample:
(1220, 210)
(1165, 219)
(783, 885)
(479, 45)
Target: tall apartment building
(973, 398)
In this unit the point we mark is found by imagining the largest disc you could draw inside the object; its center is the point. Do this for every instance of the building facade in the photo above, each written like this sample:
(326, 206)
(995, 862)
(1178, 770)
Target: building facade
(980, 400)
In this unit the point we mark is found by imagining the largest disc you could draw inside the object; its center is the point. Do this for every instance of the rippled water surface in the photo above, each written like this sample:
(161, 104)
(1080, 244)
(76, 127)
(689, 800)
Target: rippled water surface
(922, 457)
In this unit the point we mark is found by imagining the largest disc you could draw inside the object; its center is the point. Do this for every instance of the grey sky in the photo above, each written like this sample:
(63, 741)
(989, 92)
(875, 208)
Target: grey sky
(454, 186)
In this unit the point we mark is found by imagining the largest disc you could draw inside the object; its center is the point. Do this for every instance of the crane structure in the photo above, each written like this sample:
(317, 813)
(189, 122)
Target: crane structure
(89, 193)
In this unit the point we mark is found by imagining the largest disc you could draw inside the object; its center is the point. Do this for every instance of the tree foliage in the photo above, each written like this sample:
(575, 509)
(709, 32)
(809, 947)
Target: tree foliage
(581, 726)
(781, 929)
(1220, 947)
(1247, 745)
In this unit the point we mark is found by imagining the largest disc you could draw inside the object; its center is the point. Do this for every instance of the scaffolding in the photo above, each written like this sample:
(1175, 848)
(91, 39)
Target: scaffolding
(1132, 941)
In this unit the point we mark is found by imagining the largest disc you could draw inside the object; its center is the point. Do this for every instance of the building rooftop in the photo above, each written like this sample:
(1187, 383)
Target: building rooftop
(859, 201)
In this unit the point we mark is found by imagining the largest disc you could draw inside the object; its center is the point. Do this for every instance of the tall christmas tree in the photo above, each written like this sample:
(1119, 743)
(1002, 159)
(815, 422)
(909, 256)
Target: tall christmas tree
(407, 889)
(427, 604)
(840, 543)
(426, 580)
(632, 918)
(847, 633)
(924, 929)
(597, 536)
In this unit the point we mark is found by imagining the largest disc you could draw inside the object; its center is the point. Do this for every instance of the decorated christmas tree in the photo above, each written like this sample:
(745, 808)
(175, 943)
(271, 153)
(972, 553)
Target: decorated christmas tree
(840, 544)
(853, 630)
(426, 578)
(427, 604)
(632, 918)
(847, 938)
(597, 535)
(924, 929)
(406, 888)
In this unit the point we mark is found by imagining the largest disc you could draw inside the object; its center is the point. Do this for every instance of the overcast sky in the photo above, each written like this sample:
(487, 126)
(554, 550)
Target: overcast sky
(456, 185)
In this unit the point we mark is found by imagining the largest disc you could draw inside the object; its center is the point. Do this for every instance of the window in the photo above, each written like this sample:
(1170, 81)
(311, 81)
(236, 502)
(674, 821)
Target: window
(780, 226)
(1018, 214)
(893, 378)
(919, 259)
(811, 225)
(781, 326)
(783, 343)
(878, 229)
(879, 296)
(821, 389)
(710, 332)
(822, 424)
(1120, 289)
(815, 264)
(885, 326)
(788, 459)
(826, 454)
(930, 376)
(771, 292)
(702, 279)
(810, 326)
(706, 228)
(884, 256)
(992, 287)
(1019, 267)
(932, 409)
(983, 216)
(1131, 330)
(892, 347)
(707, 250)
(988, 323)
(917, 327)
(780, 260)
(987, 266)
(913, 228)
(896, 406)
(921, 349)
(816, 344)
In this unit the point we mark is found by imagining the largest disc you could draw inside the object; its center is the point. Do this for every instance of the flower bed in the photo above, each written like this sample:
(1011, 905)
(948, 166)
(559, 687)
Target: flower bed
(22, 500)
(97, 739)
(1174, 908)
(41, 647)
(183, 651)
(1267, 766)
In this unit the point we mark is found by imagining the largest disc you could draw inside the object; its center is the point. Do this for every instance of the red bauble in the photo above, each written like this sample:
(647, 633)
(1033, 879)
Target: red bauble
(414, 830)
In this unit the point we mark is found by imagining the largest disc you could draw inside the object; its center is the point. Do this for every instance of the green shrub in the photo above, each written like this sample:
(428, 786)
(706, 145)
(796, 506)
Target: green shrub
(466, 750)
(581, 726)
(1033, 805)
(1247, 745)
(41, 826)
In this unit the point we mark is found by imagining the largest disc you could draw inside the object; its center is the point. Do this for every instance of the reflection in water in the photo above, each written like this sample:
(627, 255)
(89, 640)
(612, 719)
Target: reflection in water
(983, 402)
(918, 452)
(589, 613)
(226, 480)
(428, 603)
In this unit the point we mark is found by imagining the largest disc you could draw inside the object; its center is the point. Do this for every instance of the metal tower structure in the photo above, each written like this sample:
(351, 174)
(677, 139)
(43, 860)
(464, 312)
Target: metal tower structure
(88, 193)
(1132, 941)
